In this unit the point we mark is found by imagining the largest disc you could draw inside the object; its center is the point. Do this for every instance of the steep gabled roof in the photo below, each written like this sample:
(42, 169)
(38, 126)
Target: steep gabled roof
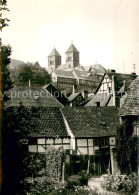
(72, 48)
(57, 94)
(54, 53)
(73, 96)
(88, 122)
(131, 104)
(97, 68)
(102, 98)
(31, 96)
(92, 121)
(45, 122)
(122, 79)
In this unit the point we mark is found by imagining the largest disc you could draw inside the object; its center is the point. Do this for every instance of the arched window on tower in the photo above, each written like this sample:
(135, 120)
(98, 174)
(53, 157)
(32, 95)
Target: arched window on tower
(69, 59)
(51, 61)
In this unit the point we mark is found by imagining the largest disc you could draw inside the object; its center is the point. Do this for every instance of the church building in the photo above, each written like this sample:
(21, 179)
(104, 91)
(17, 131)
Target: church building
(71, 76)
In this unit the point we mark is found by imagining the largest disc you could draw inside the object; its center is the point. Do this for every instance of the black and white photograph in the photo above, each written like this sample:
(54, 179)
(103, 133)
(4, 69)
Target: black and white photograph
(69, 97)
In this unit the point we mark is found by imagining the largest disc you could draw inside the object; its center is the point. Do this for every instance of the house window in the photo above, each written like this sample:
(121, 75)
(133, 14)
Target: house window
(69, 59)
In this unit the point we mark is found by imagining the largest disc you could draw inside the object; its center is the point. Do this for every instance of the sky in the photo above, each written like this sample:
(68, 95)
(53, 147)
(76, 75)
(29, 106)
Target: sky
(103, 31)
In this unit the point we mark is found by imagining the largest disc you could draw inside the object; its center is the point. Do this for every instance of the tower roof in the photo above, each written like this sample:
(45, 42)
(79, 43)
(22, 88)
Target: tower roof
(72, 48)
(54, 53)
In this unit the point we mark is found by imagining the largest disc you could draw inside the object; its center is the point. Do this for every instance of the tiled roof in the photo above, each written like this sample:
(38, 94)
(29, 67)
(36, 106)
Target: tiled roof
(72, 48)
(31, 96)
(46, 122)
(102, 98)
(83, 122)
(67, 74)
(98, 68)
(73, 96)
(57, 94)
(131, 104)
(92, 121)
(54, 53)
(120, 78)
(62, 66)
(85, 75)
(86, 101)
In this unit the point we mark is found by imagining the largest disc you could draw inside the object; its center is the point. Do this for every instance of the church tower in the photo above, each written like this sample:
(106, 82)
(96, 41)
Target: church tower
(54, 59)
(72, 57)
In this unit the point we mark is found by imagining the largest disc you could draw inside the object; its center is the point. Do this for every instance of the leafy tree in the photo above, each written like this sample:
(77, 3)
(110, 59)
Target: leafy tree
(17, 162)
(126, 148)
(3, 7)
(35, 73)
(5, 61)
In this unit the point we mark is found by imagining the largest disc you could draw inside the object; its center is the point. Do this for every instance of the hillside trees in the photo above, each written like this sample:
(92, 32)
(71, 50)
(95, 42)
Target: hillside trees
(34, 72)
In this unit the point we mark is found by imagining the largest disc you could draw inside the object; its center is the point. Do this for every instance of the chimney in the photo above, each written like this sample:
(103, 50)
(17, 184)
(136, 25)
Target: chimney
(133, 73)
(113, 70)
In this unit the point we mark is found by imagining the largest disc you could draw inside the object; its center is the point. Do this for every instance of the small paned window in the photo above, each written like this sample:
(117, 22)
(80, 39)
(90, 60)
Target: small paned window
(69, 59)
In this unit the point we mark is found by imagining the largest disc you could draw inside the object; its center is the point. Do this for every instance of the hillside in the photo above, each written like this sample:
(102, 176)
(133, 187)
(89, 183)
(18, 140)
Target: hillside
(15, 63)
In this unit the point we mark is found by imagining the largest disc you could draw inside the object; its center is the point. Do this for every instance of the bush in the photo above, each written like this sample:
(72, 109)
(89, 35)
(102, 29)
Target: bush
(76, 190)
(74, 180)
(81, 179)
(120, 183)
(84, 178)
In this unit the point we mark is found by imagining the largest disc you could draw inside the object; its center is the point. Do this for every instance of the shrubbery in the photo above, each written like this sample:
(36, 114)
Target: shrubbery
(120, 183)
